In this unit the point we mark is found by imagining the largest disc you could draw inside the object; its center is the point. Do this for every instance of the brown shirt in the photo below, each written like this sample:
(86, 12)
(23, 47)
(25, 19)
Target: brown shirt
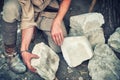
(31, 8)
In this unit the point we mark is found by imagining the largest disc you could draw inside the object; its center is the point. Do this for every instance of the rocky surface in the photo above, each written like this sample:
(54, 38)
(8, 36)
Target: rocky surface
(114, 40)
(104, 65)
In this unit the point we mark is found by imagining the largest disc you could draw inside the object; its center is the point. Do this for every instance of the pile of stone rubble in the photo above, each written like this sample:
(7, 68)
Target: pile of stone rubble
(104, 65)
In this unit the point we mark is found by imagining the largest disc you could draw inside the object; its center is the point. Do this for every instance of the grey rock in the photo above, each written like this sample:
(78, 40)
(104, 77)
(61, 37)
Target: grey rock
(114, 40)
(95, 37)
(76, 50)
(77, 31)
(104, 65)
(88, 24)
(48, 62)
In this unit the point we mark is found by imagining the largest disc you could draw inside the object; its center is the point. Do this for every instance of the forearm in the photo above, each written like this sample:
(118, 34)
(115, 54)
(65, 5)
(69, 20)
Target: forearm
(26, 38)
(64, 6)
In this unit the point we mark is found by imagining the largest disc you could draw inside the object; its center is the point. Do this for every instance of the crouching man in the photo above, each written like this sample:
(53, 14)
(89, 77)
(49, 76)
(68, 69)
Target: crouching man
(46, 15)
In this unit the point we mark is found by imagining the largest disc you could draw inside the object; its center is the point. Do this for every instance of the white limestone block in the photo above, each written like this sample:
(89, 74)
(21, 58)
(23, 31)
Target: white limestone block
(87, 22)
(48, 62)
(76, 50)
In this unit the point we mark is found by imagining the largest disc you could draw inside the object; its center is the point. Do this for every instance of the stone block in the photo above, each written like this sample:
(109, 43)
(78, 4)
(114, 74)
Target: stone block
(76, 50)
(48, 62)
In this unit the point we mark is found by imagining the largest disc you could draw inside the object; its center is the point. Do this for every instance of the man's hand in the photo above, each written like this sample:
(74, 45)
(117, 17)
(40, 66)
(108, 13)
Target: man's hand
(57, 32)
(27, 59)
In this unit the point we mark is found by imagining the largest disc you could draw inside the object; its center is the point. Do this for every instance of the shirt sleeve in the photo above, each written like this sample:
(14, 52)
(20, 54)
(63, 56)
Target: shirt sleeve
(27, 17)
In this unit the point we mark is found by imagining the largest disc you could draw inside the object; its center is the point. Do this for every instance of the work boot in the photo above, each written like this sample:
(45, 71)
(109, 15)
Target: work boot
(9, 35)
(14, 62)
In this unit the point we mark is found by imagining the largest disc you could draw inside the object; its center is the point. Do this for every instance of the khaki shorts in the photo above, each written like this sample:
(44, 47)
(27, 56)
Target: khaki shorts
(11, 11)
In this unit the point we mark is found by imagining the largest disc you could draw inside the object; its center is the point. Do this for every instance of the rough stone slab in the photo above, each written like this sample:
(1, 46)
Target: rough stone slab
(87, 22)
(104, 65)
(114, 40)
(76, 50)
(48, 62)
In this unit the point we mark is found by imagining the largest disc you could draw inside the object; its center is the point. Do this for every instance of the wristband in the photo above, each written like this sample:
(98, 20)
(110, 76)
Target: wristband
(24, 51)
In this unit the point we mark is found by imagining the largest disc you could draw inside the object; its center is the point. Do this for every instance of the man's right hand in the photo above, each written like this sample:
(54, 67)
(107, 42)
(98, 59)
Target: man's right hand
(27, 59)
